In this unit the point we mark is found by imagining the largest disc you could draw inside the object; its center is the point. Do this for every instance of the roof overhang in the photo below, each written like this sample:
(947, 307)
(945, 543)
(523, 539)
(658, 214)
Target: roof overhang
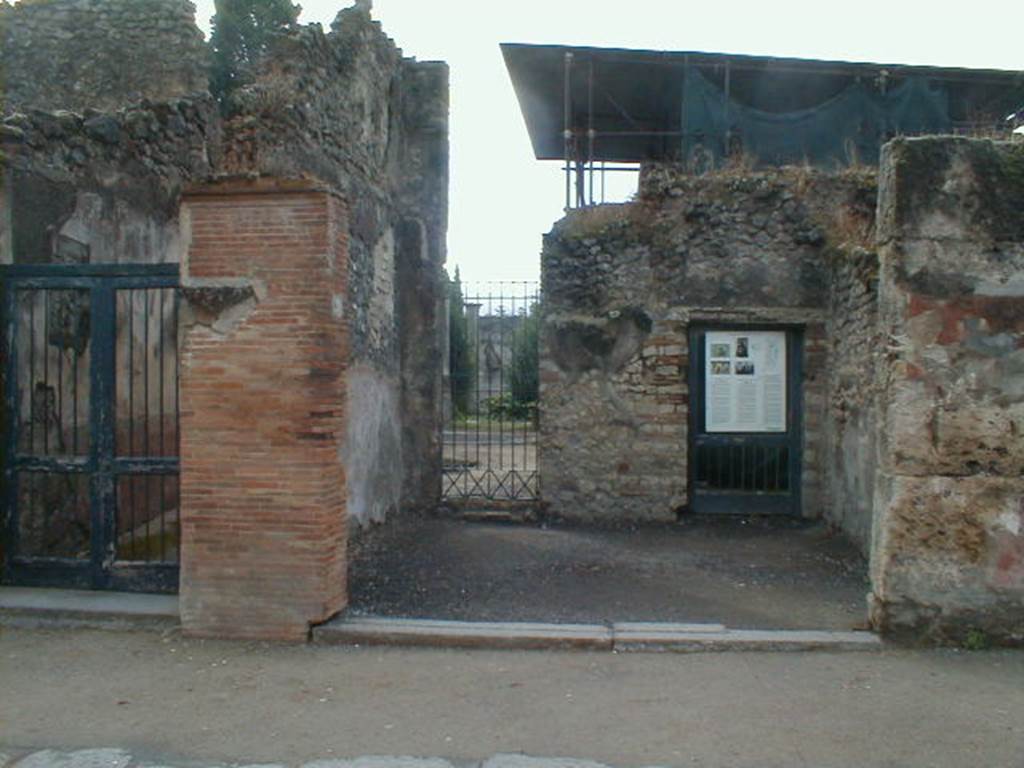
(632, 99)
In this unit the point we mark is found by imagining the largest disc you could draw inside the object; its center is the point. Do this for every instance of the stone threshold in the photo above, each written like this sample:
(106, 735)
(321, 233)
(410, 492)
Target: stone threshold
(37, 607)
(29, 607)
(616, 636)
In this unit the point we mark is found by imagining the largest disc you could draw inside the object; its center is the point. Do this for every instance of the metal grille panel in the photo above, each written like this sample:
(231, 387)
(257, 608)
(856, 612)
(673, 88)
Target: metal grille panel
(91, 426)
(490, 432)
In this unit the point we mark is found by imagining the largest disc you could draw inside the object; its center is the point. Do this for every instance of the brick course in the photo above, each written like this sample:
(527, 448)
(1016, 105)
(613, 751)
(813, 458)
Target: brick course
(262, 417)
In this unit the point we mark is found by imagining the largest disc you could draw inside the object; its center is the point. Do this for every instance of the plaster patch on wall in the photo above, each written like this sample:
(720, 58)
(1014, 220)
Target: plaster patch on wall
(372, 454)
(118, 231)
(1012, 519)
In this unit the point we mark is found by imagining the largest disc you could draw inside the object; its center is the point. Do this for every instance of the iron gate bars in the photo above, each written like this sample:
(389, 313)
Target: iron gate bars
(490, 431)
(91, 420)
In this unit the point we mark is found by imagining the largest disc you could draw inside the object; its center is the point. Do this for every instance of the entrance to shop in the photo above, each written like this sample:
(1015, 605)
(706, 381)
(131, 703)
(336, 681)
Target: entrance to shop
(745, 426)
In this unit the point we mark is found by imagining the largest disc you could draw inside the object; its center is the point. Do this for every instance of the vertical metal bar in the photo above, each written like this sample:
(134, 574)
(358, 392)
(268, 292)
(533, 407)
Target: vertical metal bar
(74, 379)
(473, 331)
(10, 323)
(103, 315)
(590, 131)
(490, 422)
(743, 467)
(177, 429)
(131, 371)
(502, 413)
(177, 374)
(567, 128)
(780, 470)
(162, 332)
(163, 513)
(32, 373)
(775, 468)
(145, 373)
(146, 485)
(131, 416)
(684, 122)
(46, 373)
(61, 445)
(728, 128)
(528, 320)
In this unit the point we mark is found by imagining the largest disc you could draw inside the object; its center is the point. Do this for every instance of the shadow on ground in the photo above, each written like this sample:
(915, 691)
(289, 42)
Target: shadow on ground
(745, 573)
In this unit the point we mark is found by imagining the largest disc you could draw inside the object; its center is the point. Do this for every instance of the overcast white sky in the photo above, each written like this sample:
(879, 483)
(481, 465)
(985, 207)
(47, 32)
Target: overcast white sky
(503, 200)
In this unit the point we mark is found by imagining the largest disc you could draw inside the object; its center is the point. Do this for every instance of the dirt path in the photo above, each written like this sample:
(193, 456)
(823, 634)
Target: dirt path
(775, 574)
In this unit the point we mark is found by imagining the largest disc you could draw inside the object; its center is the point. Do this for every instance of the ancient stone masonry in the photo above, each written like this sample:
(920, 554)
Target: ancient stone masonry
(623, 284)
(94, 173)
(345, 107)
(104, 186)
(854, 348)
(948, 545)
(99, 54)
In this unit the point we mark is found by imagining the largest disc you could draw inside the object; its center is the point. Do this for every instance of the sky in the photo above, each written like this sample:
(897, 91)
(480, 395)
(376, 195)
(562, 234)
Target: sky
(502, 200)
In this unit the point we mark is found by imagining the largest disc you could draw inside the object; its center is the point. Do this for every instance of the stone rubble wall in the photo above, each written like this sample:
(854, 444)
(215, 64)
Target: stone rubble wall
(948, 546)
(622, 285)
(852, 382)
(99, 54)
(108, 181)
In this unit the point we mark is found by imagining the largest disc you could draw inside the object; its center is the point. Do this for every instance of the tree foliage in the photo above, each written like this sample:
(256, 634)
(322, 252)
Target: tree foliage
(242, 32)
(524, 370)
(461, 367)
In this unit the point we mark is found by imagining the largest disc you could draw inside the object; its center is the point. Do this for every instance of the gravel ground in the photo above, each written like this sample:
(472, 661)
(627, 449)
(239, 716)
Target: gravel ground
(746, 573)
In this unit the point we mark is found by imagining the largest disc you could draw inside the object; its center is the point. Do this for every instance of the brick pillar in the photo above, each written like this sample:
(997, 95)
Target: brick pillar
(262, 400)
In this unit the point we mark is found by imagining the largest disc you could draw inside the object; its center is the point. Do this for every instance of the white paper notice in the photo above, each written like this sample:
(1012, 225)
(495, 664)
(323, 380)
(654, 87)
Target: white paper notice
(745, 372)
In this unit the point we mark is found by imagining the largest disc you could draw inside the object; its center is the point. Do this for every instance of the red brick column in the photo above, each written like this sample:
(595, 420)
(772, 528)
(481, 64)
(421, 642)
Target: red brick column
(262, 402)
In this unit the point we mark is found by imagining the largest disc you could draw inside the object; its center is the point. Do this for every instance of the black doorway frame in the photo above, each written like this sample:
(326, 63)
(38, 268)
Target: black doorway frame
(778, 501)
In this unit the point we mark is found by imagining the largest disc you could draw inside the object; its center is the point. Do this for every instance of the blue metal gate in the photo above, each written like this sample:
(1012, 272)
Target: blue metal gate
(91, 426)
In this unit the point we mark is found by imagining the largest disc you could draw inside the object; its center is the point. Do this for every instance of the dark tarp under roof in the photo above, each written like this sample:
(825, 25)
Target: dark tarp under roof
(779, 110)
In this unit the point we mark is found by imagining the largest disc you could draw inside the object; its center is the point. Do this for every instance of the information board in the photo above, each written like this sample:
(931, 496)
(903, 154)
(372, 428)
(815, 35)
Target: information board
(745, 375)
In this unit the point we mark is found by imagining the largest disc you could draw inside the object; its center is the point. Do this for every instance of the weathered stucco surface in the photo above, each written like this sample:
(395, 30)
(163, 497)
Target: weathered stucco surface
(948, 554)
(622, 286)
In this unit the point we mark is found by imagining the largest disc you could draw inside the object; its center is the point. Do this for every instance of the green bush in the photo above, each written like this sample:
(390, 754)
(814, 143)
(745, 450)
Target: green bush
(508, 408)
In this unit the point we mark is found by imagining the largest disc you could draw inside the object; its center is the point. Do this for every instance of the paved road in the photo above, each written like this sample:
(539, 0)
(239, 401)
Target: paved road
(186, 702)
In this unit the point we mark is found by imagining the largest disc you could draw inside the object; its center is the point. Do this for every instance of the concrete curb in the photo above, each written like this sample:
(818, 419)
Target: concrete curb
(29, 608)
(463, 634)
(622, 636)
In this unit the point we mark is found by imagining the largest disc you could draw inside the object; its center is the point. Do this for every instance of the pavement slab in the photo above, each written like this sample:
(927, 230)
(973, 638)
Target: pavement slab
(82, 758)
(381, 761)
